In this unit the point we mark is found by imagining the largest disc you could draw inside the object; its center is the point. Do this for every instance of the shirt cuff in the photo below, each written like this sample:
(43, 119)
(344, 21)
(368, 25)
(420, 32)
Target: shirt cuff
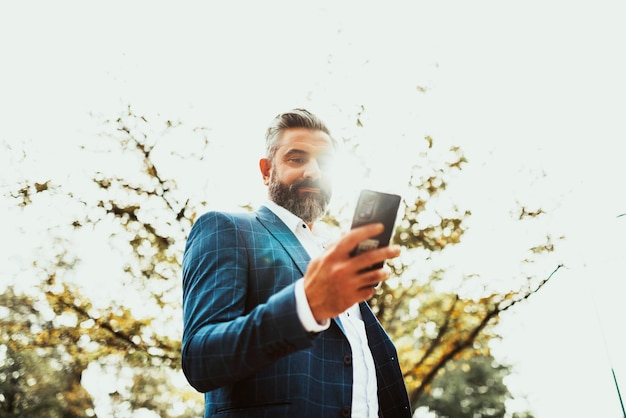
(304, 311)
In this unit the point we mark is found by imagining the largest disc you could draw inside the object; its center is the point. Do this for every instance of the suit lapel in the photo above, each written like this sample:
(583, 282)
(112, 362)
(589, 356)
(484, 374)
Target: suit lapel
(370, 320)
(285, 237)
(377, 337)
(289, 242)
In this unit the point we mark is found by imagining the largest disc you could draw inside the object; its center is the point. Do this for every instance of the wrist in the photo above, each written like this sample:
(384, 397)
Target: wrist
(308, 314)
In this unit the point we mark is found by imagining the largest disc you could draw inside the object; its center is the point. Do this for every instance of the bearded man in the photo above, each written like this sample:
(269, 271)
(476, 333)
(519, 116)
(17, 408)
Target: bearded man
(276, 323)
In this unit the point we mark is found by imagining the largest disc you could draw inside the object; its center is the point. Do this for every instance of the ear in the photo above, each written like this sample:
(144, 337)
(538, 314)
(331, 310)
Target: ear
(266, 167)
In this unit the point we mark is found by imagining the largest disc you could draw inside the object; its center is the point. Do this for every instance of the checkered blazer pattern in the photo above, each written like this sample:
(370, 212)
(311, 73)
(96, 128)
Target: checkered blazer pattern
(243, 343)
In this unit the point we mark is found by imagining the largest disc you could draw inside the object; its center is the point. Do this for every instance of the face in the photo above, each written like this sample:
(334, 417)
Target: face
(298, 176)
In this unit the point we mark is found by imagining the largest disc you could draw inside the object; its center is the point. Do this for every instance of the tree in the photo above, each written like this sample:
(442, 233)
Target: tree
(146, 217)
(29, 386)
(146, 225)
(447, 326)
(468, 388)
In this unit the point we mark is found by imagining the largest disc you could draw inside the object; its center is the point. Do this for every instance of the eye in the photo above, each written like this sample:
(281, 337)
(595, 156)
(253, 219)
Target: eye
(325, 163)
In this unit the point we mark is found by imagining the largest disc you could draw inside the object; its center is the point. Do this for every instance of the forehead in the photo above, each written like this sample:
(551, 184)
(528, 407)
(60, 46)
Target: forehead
(308, 140)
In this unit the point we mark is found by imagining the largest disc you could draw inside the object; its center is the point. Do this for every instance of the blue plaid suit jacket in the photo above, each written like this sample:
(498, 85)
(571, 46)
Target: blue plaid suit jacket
(243, 343)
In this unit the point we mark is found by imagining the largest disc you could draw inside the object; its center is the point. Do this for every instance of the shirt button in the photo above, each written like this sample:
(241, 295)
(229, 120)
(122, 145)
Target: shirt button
(347, 359)
(345, 411)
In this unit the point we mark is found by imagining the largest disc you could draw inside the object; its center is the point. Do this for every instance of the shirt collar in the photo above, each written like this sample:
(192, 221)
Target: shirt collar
(322, 234)
(288, 218)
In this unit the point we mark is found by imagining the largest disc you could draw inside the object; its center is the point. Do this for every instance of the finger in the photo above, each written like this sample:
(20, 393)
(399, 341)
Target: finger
(371, 257)
(348, 242)
(367, 292)
(372, 278)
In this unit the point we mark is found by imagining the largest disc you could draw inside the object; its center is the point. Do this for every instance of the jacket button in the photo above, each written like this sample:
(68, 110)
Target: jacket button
(347, 359)
(345, 412)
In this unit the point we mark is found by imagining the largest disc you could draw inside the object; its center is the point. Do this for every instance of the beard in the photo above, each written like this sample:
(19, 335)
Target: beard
(307, 206)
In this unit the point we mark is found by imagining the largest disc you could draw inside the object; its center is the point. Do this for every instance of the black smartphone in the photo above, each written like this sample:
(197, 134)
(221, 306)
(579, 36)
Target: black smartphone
(373, 207)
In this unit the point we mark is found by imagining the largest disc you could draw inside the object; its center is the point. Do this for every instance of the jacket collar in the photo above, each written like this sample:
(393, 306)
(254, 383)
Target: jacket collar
(285, 236)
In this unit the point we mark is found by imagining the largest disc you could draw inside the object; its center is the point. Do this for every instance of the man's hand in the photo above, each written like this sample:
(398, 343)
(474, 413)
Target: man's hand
(335, 281)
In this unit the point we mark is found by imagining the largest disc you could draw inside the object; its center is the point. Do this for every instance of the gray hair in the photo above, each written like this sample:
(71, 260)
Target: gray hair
(296, 118)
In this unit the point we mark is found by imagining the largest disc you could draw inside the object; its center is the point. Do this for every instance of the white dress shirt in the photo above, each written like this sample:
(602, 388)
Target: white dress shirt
(364, 386)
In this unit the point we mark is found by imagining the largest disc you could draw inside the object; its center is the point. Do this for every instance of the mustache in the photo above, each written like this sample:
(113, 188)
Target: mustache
(305, 183)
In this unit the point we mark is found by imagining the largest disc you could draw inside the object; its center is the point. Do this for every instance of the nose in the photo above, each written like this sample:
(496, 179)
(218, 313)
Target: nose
(312, 169)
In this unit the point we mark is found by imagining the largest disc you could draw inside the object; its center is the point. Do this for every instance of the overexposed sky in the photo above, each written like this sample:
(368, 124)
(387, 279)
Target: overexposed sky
(533, 92)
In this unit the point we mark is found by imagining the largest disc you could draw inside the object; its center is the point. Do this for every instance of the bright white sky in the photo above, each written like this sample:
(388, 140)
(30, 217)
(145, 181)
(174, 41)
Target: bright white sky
(533, 92)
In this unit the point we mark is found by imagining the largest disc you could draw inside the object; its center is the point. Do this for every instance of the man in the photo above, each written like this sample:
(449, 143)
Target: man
(274, 324)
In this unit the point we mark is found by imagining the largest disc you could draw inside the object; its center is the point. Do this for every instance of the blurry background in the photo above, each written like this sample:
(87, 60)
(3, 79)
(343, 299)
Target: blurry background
(532, 92)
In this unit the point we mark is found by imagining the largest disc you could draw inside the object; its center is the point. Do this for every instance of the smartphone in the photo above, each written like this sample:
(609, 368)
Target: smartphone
(373, 207)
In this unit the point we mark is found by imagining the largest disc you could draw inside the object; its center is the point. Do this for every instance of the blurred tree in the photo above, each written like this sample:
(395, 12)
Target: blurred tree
(131, 334)
(30, 387)
(136, 333)
(468, 388)
(433, 327)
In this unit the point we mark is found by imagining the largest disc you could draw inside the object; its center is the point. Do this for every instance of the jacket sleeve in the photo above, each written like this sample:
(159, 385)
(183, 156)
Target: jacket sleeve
(223, 341)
